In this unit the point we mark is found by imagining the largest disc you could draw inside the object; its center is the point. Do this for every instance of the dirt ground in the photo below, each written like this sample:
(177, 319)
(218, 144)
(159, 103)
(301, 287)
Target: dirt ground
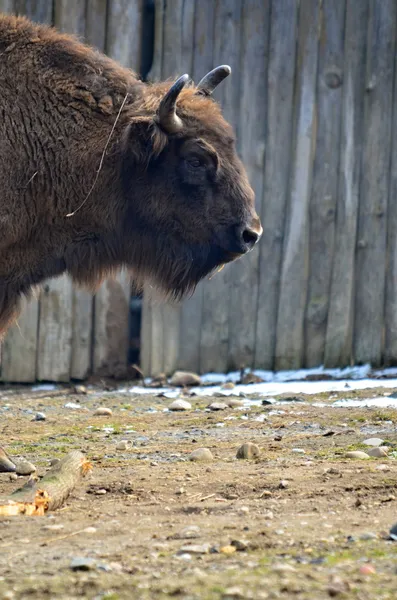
(148, 523)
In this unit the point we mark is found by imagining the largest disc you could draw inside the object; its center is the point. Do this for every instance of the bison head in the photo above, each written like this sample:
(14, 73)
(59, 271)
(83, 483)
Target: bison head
(190, 208)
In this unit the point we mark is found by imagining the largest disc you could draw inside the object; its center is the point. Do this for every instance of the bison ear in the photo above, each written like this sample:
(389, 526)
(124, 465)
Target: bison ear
(143, 140)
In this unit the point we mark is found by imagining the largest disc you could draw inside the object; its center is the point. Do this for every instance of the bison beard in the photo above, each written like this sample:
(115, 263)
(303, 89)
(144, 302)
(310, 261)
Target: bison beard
(100, 171)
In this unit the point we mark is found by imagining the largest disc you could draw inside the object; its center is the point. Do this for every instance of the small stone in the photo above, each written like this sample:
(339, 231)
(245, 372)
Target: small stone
(80, 389)
(23, 467)
(337, 587)
(217, 406)
(179, 405)
(278, 438)
(393, 532)
(358, 454)
(234, 403)
(6, 464)
(243, 510)
(368, 536)
(283, 568)
(240, 545)
(195, 549)
(40, 417)
(72, 405)
(55, 527)
(102, 411)
(100, 492)
(185, 378)
(122, 445)
(201, 455)
(283, 485)
(82, 564)
(373, 442)
(13, 476)
(228, 549)
(377, 452)
(367, 570)
(298, 451)
(188, 533)
(233, 593)
(251, 378)
(229, 385)
(248, 451)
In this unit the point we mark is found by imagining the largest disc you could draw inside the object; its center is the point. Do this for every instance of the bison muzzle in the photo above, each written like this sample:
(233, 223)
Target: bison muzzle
(100, 171)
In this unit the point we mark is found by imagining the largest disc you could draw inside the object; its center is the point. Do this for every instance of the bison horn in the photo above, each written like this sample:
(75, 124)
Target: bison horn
(167, 116)
(213, 79)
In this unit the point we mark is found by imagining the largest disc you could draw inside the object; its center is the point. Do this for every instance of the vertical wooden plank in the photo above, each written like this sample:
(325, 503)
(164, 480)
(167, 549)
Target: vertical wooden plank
(124, 28)
(215, 319)
(338, 345)
(156, 69)
(293, 286)
(69, 16)
(95, 29)
(325, 182)
(191, 314)
(244, 274)
(37, 10)
(7, 6)
(55, 331)
(81, 334)
(371, 244)
(280, 83)
(20, 346)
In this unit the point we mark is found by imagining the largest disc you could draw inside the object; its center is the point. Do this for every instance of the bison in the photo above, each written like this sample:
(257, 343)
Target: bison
(101, 171)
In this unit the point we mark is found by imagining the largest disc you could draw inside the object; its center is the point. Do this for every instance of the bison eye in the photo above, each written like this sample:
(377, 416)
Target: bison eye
(194, 162)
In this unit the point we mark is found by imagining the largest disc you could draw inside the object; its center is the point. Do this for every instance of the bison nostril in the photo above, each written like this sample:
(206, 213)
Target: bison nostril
(250, 237)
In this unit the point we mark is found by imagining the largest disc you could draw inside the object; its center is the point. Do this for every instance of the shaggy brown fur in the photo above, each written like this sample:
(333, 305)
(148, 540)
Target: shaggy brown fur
(152, 209)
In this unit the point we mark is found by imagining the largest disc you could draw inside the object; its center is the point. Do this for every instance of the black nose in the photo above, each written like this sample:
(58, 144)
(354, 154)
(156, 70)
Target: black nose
(250, 237)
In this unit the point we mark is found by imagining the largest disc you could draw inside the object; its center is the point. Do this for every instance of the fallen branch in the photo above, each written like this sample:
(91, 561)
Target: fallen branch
(37, 497)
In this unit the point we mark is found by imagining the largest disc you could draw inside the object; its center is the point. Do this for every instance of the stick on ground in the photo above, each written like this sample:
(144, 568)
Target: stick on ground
(37, 497)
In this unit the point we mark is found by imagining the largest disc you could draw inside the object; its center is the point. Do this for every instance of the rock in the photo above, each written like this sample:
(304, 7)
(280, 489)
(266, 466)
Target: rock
(159, 380)
(358, 454)
(179, 405)
(80, 389)
(188, 533)
(123, 445)
(283, 485)
(367, 570)
(298, 450)
(72, 405)
(6, 464)
(248, 451)
(233, 593)
(368, 536)
(337, 587)
(82, 564)
(13, 476)
(229, 385)
(100, 492)
(373, 442)
(23, 467)
(228, 549)
(102, 411)
(251, 378)
(393, 532)
(201, 455)
(377, 452)
(240, 545)
(39, 417)
(195, 549)
(185, 378)
(234, 403)
(218, 406)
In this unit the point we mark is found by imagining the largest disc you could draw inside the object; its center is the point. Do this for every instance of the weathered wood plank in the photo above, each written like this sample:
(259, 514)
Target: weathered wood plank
(325, 182)
(280, 82)
(7, 6)
(81, 334)
(69, 16)
(95, 28)
(293, 285)
(18, 363)
(338, 344)
(40, 11)
(215, 319)
(55, 330)
(124, 28)
(244, 274)
(371, 240)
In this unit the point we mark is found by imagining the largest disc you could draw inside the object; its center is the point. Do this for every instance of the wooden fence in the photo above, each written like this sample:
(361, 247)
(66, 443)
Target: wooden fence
(313, 99)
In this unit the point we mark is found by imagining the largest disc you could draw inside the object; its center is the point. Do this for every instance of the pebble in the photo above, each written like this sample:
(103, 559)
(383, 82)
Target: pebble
(13, 476)
(218, 406)
(240, 545)
(39, 417)
(72, 405)
(82, 564)
(373, 442)
(234, 403)
(283, 485)
(6, 464)
(195, 549)
(201, 455)
(377, 452)
(188, 533)
(298, 450)
(102, 411)
(368, 536)
(122, 445)
(228, 549)
(248, 451)
(251, 378)
(357, 454)
(233, 593)
(100, 492)
(229, 385)
(179, 405)
(80, 389)
(23, 467)
(185, 378)
(367, 570)
(393, 532)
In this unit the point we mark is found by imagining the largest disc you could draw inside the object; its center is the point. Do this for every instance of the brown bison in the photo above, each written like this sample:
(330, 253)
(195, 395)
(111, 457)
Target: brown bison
(99, 171)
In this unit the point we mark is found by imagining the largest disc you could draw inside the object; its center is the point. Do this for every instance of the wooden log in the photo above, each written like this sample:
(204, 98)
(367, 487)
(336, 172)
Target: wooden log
(215, 314)
(293, 285)
(280, 83)
(50, 493)
(55, 330)
(253, 99)
(371, 240)
(325, 182)
(338, 344)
